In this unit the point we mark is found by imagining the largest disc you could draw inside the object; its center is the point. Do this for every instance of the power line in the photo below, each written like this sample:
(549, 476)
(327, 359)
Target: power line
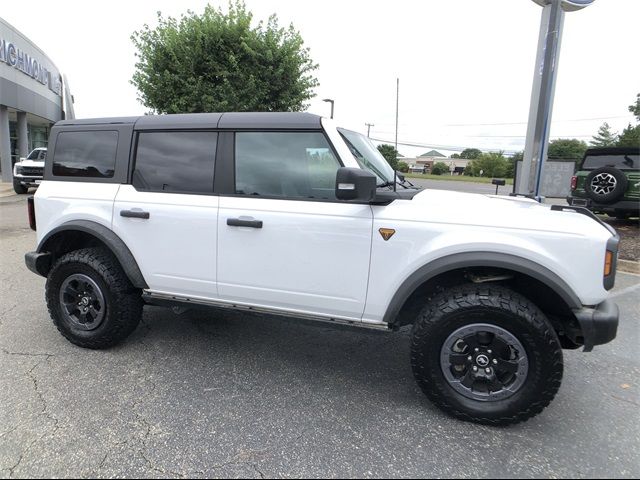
(524, 123)
(454, 148)
(506, 136)
(524, 136)
(442, 147)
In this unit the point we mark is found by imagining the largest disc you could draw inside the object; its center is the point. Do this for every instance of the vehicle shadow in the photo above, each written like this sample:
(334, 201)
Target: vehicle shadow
(265, 353)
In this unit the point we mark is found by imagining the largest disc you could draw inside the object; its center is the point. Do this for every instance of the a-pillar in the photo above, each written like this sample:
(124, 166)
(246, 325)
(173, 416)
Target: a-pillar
(5, 146)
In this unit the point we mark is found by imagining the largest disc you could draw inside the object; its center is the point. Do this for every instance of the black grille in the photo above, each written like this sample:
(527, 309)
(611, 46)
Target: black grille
(31, 171)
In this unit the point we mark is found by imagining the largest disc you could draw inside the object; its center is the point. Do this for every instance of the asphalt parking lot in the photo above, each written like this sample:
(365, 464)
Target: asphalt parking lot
(228, 394)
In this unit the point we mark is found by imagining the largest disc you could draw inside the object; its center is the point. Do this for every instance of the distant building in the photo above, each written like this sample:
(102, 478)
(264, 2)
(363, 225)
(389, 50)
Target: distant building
(33, 96)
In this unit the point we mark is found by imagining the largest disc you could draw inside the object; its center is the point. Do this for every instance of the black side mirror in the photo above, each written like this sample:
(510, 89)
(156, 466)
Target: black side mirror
(355, 184)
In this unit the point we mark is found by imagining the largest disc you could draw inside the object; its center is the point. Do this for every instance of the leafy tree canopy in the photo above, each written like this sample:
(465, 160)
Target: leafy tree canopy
(492, 164)
(470, 153)
(440, 168)
(218, 62)
(566, 148)
(390, 154)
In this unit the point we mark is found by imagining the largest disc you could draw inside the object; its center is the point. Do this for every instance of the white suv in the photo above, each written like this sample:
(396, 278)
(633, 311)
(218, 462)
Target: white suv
(28, 171)
(285, 213)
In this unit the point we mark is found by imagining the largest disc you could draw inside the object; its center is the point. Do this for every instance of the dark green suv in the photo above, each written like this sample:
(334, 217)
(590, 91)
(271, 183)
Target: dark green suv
(608, 181)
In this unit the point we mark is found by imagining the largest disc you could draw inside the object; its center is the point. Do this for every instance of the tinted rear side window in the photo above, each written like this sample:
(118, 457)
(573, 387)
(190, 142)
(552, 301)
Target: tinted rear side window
(86, 154)
(622, 162)
(178, 162)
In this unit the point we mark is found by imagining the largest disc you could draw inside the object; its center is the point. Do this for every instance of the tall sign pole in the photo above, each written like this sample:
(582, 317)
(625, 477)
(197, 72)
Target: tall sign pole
(543, 90)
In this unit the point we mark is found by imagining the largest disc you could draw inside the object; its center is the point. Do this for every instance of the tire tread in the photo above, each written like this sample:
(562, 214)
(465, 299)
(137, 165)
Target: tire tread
(494, 296)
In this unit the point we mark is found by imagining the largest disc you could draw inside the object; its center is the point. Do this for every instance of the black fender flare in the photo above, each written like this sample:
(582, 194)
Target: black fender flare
(109, 239)
(478, 259)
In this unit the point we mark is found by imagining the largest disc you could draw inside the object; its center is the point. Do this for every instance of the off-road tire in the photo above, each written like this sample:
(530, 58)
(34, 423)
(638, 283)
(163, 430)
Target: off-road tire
(495, 305)
(123, 301)
(19, 188)
(614, 195)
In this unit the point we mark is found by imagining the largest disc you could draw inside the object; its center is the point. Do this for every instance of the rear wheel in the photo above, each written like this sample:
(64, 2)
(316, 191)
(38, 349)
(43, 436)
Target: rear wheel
(91, 300)
(486, 354)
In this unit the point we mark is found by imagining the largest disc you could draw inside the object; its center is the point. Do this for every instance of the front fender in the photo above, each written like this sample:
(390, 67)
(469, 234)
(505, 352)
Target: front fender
(478, 259)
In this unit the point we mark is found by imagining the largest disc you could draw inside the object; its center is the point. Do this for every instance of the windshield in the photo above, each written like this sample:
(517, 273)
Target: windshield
(37, 155)
(368, 156)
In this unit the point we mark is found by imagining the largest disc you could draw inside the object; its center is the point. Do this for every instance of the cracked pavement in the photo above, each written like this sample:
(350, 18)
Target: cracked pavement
(228, 394)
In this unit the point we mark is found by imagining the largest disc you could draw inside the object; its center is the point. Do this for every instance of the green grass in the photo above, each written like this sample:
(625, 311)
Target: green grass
(454, 178)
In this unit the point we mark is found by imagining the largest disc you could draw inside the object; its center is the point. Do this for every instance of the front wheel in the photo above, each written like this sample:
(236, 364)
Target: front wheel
(487, 354)
(19, 188)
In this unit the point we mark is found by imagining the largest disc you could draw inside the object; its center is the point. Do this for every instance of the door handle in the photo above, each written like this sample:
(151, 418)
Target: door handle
(134, 214)
(236, 222)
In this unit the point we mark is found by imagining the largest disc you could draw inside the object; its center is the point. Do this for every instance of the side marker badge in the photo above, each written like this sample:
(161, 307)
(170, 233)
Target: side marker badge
(387, 233)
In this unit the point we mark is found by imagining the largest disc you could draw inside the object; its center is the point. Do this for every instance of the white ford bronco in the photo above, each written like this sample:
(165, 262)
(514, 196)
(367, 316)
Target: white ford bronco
(286, 213)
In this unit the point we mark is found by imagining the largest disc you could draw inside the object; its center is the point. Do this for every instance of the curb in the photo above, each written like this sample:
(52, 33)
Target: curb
(628, 266)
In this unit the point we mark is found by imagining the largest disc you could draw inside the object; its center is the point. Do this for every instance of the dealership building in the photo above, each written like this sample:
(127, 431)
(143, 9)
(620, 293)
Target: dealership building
(33, 96)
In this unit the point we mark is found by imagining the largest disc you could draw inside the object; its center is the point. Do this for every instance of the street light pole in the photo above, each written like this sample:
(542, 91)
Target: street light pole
(330, 101)
(397, 103)
(542, 92)
(369, 125)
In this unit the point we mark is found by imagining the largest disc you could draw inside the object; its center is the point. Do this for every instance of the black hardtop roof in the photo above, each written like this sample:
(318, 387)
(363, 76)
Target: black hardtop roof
(612, 151)
(231, 120)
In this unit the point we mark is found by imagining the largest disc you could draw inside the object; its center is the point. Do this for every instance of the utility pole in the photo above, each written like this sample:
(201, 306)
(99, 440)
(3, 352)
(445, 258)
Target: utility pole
(397, 103)
(369, 125)
(542, 92)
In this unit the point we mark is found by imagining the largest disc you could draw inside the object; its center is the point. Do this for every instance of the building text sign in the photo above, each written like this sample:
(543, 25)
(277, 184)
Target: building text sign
(14, 57)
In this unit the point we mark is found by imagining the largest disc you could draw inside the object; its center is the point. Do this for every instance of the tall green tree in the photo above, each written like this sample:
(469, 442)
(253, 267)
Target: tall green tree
(635, 107)
(390, 154)
(566, 148)
(605, 137)
(220, 62)
(470, 153)
(630, 136)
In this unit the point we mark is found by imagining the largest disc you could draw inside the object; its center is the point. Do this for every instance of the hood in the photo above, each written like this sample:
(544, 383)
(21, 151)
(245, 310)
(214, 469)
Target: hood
(30, 163)
(456, 208)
